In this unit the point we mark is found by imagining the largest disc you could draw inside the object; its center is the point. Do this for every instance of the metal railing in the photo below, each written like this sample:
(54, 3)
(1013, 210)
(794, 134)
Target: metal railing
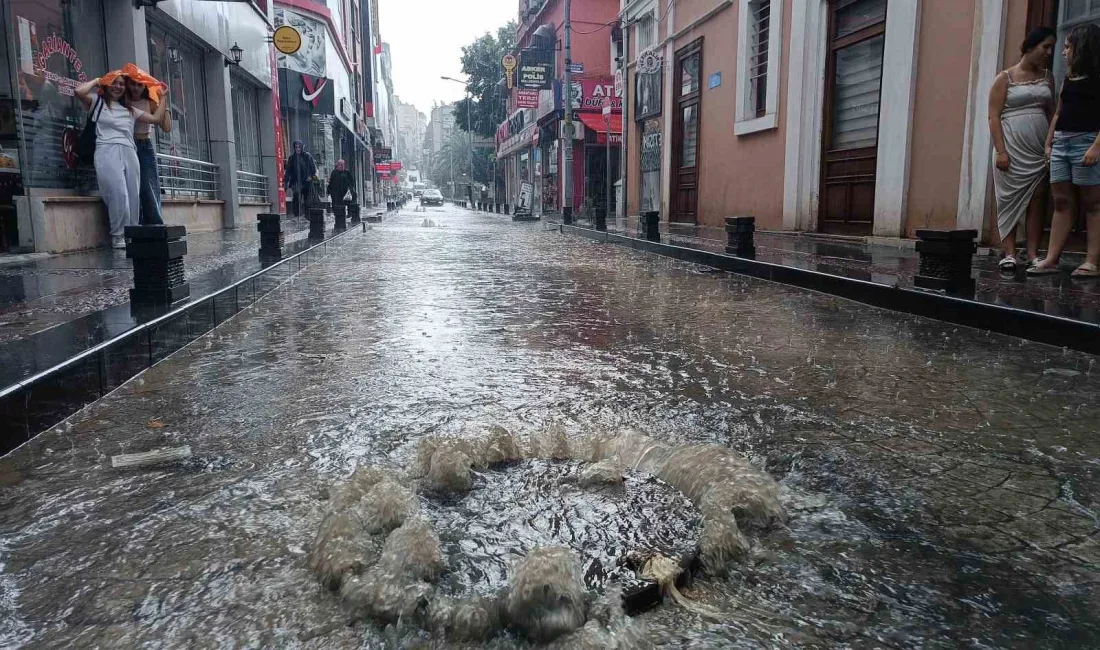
(252, 188)
(187, 178)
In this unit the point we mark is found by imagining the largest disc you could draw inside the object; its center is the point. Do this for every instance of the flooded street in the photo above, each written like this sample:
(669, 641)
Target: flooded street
(941, 482)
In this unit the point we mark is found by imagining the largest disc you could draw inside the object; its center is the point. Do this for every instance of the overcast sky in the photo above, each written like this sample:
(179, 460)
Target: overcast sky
(426, 39)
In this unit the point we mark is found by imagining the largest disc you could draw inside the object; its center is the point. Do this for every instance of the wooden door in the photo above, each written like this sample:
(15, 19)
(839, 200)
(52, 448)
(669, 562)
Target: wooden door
(853, 84)
(685, 137)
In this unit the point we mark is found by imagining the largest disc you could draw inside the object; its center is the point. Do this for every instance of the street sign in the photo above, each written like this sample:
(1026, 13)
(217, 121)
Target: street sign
(576, 68)
(536, 70)
(509, 62)
(527, 98)
(287, 39)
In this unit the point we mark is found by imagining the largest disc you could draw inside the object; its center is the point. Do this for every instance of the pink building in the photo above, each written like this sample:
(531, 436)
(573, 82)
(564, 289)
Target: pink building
(850, 117)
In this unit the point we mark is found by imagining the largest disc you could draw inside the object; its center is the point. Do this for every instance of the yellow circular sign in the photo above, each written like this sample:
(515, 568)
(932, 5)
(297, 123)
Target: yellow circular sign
(509, 62)
(287, 39)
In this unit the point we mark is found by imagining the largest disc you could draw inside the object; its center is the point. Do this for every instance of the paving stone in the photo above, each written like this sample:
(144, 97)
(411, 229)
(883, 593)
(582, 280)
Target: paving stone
(1034, 532)
(986, 476)
(1040, 486)
(983, 538)
(1011, 503)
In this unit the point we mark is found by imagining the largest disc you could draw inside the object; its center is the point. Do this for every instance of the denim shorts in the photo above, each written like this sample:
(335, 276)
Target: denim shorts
(1066, 156)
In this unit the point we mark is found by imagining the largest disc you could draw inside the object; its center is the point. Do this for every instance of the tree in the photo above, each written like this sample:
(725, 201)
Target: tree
(481, 64)
(454, 156)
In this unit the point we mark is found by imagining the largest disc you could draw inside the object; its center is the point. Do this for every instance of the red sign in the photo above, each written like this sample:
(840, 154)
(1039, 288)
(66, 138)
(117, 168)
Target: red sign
(594, 94)
(527, 98)
(396, 166)
(280, 171)
(383, 168)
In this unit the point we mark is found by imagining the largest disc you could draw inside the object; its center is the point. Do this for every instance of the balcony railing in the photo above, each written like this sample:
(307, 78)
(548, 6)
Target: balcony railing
(187, 178)
(252, 188)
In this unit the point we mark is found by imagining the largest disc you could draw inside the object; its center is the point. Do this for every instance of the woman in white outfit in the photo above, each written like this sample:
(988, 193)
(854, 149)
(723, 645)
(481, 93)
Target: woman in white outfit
(1021, 103)
(116, 162)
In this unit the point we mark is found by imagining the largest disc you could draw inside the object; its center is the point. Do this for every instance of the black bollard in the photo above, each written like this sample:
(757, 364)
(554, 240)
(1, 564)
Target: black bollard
(946, 260)
(353, 212)
(740, 232)
(316, 223)
(507, 208)
(272, 237)
(649, 226)
(157, 252)
(601, 220)
(340, 213)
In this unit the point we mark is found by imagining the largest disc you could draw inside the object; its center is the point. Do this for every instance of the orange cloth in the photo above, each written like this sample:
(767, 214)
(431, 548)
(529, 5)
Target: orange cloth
(142, 77)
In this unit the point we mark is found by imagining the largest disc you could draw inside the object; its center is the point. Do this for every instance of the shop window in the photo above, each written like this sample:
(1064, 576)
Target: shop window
(246, 126)
(180, 65)
(57, 46)
(758, 55)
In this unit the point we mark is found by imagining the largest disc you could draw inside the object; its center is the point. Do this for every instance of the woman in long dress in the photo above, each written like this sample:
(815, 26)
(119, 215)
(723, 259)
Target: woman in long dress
(1021, 103)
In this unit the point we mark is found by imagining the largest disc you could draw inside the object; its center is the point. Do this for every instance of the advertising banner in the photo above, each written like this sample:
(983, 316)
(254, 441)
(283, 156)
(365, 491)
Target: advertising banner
(595, 95)
(310, 56)
(527, 98)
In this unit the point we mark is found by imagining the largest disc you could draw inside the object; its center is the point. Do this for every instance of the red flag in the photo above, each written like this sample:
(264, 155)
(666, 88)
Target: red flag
(378, 49)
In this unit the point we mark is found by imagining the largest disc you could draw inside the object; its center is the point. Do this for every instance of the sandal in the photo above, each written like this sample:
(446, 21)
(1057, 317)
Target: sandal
(1043, 270)
(1086, 270)
(1007, 264)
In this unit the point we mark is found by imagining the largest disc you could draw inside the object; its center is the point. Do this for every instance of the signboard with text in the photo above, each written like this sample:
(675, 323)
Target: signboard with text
(527, 98)
(536, 69)
(595, 95)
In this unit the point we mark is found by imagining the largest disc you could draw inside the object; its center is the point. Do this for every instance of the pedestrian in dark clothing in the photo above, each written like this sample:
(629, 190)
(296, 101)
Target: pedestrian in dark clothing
(300, 170)
(341, 186)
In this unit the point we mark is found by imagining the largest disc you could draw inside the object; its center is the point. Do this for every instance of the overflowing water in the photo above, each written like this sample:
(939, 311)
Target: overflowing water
(939, 484)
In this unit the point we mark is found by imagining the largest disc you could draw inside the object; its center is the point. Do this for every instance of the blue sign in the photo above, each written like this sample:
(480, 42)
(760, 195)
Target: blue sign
(576, 68)
(714, 81)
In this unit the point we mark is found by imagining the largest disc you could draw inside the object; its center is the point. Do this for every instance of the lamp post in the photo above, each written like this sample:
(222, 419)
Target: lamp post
(469, 129)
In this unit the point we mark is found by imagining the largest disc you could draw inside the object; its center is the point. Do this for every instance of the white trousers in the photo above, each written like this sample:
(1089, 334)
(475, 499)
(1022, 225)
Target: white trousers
(119, 176)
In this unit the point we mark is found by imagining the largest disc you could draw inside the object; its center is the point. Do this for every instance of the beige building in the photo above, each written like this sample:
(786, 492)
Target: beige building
(855, 117)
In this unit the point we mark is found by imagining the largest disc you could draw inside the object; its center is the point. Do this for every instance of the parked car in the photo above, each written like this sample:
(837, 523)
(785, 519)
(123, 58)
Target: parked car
(431, 197)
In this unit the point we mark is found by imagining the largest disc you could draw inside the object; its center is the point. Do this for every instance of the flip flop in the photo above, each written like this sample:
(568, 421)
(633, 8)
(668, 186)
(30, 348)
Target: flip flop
(1086, 270)
(1039, 270)
(1007, 264)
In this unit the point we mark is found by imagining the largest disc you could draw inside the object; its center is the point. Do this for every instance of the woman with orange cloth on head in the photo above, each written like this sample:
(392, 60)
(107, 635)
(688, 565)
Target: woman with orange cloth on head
(116, 163)
(143, 93)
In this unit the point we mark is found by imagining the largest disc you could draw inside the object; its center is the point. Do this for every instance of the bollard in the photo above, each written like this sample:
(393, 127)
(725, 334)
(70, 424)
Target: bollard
(157, 252)
(946, 259)
(507, 208)
(601, 220)
(272, 237)
(649, 226)
(316, 223)
(353, 212)
(340, 213)
(740, 232)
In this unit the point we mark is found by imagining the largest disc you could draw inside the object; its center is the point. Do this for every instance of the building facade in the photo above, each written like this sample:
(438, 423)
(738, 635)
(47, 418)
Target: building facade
(850, 117)
(411, 129)
(218, 164)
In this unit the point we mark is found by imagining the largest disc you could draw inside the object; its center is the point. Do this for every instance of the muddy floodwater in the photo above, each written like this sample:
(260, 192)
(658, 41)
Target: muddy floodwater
(941, 482)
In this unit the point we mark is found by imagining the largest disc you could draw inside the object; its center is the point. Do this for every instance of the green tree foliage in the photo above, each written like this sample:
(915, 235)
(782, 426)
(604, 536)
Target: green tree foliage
(481, 64)
(454, 156)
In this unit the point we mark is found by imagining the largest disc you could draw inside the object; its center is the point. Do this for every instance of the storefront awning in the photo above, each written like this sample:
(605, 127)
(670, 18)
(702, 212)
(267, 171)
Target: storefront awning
(596, 122)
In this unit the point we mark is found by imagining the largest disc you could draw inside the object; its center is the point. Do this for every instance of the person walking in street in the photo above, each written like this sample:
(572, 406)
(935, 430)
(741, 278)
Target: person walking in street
(1021, 103)
(341, 186)
(300, 171)
(138, 93)
(116, 163)
(1073, 145)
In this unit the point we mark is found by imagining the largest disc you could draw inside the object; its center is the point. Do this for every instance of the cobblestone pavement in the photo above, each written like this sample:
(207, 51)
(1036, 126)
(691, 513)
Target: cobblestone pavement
(942, 481)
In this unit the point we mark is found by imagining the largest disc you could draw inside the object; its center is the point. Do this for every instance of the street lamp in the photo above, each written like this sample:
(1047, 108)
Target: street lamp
(469, 129)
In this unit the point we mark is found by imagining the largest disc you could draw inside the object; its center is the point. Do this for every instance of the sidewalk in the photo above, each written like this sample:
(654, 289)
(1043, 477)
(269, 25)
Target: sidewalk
(892, 266)
(53, 308)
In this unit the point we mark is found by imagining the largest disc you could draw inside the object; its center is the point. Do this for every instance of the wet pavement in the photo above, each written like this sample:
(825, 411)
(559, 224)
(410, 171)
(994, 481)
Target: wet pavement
(941, 481)
(894, 266)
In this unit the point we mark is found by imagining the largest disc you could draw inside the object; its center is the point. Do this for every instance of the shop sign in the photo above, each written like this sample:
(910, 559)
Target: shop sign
(595, 95)
(287, 39)
(383, 168)
(382, 155)
(619, 83)
(307, 93)
(396, 166)
(527, 98)
(34, 57)
(280, 158)
(526, 192)
(651, 146)
(536, 69)
(509, 64)
(647, 94)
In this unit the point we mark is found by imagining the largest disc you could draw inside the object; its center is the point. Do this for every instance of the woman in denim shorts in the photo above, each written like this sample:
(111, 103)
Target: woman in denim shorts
(1073, 146)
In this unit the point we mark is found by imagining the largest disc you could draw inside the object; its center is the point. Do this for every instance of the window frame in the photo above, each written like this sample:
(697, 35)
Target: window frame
(746, 120)
(646, 24)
